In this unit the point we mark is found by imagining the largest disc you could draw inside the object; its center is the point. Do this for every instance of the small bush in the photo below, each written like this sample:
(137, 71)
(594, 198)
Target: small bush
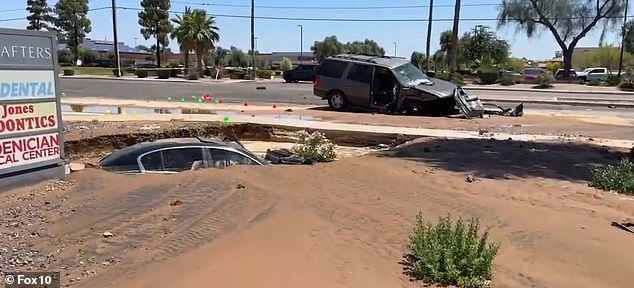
(457, 79)
(626, 85)
(265, 74)
(314, 147)
(69, 72)
(449, 254)
(545, 81)
(618, 178)
(193, 75)
(612, 80)
(164, 73)
(141, 73)
(507, 80)
(174, 72)
(488, 76)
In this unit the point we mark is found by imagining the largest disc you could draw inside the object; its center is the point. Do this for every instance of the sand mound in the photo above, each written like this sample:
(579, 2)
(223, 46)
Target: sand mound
(343, 224)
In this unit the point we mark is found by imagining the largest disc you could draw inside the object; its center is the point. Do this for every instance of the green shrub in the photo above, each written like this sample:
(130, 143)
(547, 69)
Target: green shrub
(174, 72)
(457, 79)
(612, 80)
(164, 73)
(266, 74)
(450, 254)
(442, 76)
(193, 75)
(69, 72)
(618, 178)
(114, 72)
(488, 76)
(314, 147)
(545, 80)
(626, 85)
(507, 80)
(141, 73)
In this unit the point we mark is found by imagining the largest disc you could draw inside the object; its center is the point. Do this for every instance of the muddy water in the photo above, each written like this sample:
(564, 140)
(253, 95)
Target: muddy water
(122, 110)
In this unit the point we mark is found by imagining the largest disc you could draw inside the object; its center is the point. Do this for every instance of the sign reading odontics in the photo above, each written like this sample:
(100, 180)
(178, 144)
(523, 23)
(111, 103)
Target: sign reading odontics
(31, 144)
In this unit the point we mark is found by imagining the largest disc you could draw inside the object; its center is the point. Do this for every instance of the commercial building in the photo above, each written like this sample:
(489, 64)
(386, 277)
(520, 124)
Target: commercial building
(274, 59)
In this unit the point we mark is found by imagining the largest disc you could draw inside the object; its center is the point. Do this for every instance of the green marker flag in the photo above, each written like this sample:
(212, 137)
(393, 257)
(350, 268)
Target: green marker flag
(226, 118)
(169, 98)
(182, 99)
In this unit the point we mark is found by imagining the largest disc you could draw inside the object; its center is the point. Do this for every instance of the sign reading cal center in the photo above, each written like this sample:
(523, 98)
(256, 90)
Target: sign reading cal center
(31, 142)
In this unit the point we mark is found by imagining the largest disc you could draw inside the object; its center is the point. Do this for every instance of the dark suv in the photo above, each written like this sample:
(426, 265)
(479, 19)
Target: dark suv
(390, 84)
(303, 72)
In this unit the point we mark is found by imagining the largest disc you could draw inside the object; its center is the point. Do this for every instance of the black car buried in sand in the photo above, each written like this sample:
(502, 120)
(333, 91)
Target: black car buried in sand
(393, 84)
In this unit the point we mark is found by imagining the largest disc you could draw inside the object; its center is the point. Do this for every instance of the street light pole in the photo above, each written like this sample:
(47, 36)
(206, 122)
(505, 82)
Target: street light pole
(301, 44)
(253, 39)
(116, 38)
(627, 6)
(427, 47)
(394, 49)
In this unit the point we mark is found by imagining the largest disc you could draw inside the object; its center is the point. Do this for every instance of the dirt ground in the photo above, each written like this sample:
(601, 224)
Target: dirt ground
(341, 224)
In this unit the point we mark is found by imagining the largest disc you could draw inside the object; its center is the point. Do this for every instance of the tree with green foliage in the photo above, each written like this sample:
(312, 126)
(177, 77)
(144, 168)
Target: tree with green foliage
(568, 21)
(219, 56)
(514, 64)
(39, 15)
(196, 30)
(286, 64)
(88, 56)
(418, 59)
(155, 22)
(482, 42)
(331, 46)
(628, 34)
(73, 22)
(237, 58)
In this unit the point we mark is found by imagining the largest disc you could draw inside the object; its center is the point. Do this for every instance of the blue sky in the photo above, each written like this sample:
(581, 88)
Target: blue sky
(284, 35)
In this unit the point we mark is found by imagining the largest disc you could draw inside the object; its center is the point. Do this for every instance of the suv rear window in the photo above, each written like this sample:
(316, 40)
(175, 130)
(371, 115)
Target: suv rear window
(332, 68)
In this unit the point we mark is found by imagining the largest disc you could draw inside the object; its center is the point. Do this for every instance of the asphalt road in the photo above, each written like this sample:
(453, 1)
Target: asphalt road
(290, 93)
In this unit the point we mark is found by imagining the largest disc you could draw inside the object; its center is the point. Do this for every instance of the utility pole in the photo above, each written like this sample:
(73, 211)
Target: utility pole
(394, 49)
(116, 38)
(454, 41)
(627, 6)
(253, 39)
(301, 44)
(427, 47)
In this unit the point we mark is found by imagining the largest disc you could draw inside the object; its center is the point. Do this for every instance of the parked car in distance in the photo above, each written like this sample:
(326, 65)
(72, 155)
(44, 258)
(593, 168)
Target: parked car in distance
(179, 154)
(595, 74)
(529, 75)
(559, 74)
(134, 67)
(394, 84)
(303, 72)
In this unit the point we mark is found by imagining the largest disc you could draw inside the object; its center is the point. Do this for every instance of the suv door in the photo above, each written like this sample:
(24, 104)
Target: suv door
(358, 84)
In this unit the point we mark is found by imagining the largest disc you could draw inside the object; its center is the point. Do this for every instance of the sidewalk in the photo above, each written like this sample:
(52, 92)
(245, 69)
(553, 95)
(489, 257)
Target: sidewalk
(557, 88)
(150, 79)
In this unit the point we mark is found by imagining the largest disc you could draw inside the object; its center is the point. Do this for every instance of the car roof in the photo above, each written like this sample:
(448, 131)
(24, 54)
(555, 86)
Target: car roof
(133, 151)
(385, 61)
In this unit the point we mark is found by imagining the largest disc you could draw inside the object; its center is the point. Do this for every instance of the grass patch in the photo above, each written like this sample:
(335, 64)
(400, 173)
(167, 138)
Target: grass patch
(618, 178)
(91, 71)
(450, 253)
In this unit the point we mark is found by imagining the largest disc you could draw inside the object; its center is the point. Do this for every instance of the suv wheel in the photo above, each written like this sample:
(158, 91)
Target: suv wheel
(288, 80)
(337, 101)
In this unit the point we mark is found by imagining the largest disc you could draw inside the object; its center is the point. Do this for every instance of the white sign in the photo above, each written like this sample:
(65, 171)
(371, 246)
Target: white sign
(20, 85)
(28, 150)
(27, 117)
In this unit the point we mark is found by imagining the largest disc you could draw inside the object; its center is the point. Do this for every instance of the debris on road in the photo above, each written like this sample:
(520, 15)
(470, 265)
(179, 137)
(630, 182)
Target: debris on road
(107, 234)
(471, 178)
(176, 203)
(627, 226)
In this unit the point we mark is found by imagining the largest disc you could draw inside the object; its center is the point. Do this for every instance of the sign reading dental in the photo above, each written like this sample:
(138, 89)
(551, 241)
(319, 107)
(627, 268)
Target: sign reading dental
(30, 115)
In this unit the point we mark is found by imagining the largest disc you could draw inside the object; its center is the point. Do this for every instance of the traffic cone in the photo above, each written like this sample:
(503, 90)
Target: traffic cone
(274, 106)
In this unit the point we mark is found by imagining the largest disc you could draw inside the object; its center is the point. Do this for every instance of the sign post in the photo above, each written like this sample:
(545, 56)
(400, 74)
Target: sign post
(31, 128)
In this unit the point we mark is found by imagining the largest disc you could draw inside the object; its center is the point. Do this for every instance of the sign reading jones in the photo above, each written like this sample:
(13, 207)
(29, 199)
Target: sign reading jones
(18, 85)
(19, 118)
(30, 149)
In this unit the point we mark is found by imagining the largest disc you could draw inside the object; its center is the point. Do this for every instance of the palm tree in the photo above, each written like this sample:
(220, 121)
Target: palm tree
(182, 34)
(204, 36)
(196, 30)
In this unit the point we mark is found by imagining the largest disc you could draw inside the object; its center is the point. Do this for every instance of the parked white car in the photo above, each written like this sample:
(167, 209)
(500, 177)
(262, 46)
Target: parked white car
(594, 74)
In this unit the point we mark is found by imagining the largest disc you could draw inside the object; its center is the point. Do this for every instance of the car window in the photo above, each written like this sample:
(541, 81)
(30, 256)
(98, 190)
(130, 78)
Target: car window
(174, 160)
(532, 71)
(152, 161)
(223, 158)
(597, 71)
(332, 68)
(361, 73)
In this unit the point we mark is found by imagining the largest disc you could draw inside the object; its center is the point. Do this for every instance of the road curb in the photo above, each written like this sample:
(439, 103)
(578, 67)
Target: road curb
(569, 103)
(629, 93)
(150, 80)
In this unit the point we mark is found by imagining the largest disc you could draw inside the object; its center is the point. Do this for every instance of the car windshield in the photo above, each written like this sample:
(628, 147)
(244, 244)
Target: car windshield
(532, 71)
(408, 75)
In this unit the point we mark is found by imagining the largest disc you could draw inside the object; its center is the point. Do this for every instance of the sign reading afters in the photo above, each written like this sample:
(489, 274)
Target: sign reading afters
(31, 143)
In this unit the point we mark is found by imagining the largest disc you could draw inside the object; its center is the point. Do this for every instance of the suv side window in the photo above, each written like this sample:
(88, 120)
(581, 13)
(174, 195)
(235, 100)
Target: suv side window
(332, 68)
(597, 71)
(361, 73)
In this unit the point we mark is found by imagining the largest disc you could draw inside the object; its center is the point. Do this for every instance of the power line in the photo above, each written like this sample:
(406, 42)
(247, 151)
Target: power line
(345, 19)
(24, 18)
(329, 8)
